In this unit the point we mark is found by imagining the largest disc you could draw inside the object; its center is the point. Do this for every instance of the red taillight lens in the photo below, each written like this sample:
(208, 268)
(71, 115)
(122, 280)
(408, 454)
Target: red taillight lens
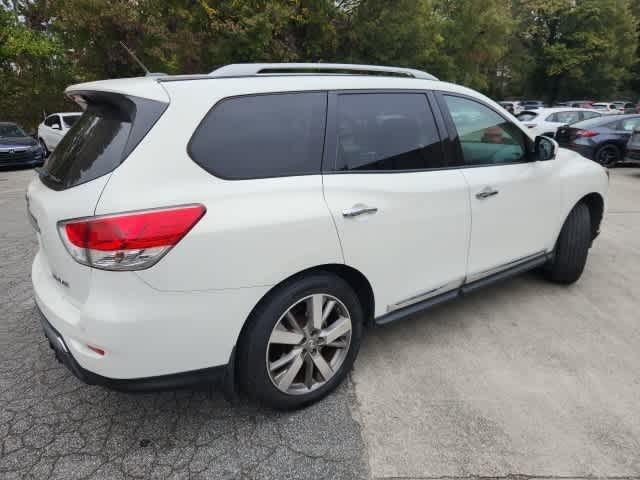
(129, 241)
(586, 133)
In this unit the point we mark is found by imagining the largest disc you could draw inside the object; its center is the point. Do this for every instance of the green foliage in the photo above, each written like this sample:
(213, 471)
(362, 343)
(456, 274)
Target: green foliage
(545, 48)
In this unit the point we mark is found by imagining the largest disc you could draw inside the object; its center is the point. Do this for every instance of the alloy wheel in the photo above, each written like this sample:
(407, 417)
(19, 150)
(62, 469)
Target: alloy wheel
(308, 344)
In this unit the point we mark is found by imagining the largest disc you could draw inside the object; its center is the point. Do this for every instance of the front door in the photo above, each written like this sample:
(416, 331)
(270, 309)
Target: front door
(513, 200)
(403, 221)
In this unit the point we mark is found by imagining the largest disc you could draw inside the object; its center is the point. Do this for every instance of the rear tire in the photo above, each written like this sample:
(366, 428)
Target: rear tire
(281, 337)
(572, 247)
(608, 155)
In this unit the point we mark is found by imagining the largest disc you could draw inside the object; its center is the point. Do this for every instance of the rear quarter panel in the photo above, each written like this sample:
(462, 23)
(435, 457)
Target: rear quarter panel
(255, 232)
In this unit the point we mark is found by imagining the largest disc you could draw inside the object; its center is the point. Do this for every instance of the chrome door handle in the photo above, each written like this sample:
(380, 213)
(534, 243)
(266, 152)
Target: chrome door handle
(358, 209)
(486, 193)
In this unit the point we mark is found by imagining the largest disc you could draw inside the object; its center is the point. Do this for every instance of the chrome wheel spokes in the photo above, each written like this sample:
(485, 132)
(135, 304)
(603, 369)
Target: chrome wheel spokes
(308, 344)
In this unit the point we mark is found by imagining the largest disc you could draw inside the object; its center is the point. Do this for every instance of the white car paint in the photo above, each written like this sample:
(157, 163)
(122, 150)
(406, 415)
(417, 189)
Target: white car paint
(54, 127)
(607, 108)
(548, 120)
(186, 311)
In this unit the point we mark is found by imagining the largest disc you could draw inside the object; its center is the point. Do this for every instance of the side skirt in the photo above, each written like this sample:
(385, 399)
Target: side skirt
(419, 307)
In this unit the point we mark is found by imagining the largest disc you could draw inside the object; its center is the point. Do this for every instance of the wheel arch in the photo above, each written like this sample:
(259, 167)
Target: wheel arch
(595, 203)
(353, 277)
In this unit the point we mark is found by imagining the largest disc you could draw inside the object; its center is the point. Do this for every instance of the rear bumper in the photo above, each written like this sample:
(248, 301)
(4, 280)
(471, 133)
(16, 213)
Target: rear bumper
(151, 339)
(221, 375)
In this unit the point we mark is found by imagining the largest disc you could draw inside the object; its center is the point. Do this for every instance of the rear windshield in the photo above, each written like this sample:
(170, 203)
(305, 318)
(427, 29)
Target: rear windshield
(100, 139)
(92, 148)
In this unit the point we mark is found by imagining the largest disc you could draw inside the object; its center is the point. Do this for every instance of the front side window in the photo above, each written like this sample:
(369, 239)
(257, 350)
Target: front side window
(486, 138)
(262, 136)
(387, 132)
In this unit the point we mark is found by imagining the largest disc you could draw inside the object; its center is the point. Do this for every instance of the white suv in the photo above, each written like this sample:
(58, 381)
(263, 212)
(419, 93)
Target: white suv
(250, 223)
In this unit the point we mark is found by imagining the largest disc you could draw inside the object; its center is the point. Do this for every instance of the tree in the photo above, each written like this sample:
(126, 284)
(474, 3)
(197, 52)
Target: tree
(33, 66)
(577, 49)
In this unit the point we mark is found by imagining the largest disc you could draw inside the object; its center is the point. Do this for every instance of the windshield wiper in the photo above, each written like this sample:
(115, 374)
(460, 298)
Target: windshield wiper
(45, 173)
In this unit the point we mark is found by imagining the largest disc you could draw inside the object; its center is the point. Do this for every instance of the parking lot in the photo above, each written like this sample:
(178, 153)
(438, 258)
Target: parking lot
(524, 378)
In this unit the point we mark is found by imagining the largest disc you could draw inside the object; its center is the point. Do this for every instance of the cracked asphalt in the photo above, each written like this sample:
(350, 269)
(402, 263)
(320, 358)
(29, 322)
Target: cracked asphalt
(52, 426)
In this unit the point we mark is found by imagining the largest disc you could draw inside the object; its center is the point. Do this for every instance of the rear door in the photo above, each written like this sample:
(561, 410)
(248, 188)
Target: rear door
(513, 200)
(402, 217)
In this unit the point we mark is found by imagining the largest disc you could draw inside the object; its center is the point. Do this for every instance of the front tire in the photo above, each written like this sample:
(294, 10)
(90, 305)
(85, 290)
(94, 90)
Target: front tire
(44, 147)
(300, 342)
(572, 247)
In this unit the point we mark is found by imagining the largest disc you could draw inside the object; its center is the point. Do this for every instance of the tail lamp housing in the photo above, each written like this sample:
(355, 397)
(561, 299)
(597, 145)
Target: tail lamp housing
(128, 241)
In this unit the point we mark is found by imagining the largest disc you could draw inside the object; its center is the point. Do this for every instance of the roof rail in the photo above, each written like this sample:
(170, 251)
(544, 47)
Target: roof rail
(254, 69)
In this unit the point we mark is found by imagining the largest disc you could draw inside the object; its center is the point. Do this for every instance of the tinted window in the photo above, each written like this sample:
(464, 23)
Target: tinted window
(92, 148)
(262, 136)
(486, 138)
(52, 120)
(100, 139)
(70, 120)
(387, 131)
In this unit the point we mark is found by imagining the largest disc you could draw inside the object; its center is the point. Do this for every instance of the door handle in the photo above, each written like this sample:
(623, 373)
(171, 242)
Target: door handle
(358, 209)
(486, 193)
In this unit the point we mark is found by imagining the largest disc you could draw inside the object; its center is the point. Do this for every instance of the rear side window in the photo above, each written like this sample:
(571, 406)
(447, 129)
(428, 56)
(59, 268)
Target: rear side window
(386, 132)
(262, 136)
(100, 139)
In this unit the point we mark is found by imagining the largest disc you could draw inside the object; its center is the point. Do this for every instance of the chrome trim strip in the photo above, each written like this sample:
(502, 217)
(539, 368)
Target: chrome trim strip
(506, 266)
(426, 295)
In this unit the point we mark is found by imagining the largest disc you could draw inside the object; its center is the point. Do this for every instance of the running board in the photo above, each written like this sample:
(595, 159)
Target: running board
(419, 307)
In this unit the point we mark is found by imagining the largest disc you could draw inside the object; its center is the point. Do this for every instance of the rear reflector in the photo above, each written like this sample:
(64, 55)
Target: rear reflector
(128, 241)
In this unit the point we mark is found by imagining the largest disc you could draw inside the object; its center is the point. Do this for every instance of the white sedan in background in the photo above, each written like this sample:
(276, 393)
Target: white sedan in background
(54, 128)
(608, 108)
(546, 121)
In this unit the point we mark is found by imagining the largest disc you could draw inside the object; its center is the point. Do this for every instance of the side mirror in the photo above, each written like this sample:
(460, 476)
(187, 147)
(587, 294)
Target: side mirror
(56, 126)
(545, 148)
(636, 131)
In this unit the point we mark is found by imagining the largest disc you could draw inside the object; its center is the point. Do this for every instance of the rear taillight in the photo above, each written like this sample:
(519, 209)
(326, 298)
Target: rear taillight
(586, 133)
(128, 241)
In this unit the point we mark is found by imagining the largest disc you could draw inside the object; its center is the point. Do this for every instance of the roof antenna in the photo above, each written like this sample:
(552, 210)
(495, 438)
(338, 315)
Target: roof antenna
(147, 73)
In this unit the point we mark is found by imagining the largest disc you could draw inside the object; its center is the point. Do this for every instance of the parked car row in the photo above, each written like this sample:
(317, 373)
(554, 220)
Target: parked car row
(610, 108)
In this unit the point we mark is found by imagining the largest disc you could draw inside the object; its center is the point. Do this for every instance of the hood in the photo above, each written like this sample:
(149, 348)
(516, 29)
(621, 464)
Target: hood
(7, 143)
